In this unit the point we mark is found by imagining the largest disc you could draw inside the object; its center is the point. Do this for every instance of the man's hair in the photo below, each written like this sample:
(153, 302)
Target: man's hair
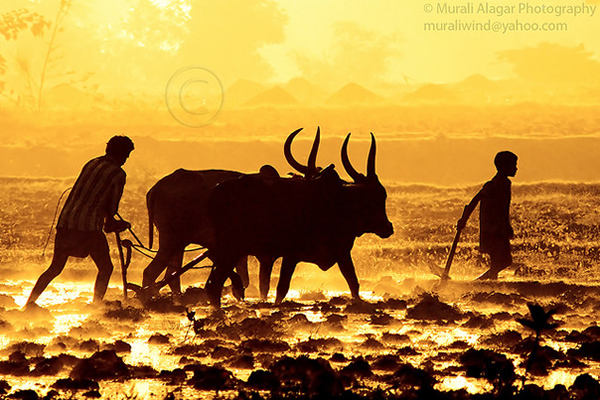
(119, 146)
(505, 159)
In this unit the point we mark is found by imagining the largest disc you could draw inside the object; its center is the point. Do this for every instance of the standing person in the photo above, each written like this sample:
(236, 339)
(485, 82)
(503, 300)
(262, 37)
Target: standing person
(495, 230)
(90, 207)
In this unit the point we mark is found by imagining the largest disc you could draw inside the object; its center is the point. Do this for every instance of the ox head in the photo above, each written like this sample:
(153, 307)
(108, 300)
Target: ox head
(369, 195)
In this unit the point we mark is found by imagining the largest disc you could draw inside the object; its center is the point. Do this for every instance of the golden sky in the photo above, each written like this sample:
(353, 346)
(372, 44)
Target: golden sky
(111, 45)
(481, 70)
(449, 53)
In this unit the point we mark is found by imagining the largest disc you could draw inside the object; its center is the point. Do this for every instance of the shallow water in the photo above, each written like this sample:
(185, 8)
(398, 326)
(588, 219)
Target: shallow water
(386, 324)
(408, 318)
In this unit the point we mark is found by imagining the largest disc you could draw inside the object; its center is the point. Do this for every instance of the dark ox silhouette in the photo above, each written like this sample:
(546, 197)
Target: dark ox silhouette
(177, 206)
(312, 220)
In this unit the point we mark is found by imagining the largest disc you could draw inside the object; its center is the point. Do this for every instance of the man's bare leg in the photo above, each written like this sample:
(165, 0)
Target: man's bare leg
(105, 267)
(59, 259)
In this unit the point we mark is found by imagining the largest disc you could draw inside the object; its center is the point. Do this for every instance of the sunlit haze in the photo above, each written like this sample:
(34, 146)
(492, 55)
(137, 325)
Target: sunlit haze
(476, 73)
(443, 86)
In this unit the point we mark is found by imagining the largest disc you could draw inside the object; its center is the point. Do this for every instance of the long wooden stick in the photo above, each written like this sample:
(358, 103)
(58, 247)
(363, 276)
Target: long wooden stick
(168, 278)
(123, 265)
(446, 273)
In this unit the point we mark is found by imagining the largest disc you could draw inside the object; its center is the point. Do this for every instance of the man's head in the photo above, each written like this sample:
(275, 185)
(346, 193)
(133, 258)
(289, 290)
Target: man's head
(506, 163)
(119, 148)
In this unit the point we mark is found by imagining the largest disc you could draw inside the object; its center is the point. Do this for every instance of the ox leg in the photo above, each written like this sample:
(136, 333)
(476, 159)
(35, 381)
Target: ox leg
(349, 272)
(264, 275)
(222, 269)
(237, 286)
(156, 267)
(175, 264)
(242, 271)
(239, 283)
(285, 277)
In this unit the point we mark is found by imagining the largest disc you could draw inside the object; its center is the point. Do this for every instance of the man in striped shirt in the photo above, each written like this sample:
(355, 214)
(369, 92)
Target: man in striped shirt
(90, 207)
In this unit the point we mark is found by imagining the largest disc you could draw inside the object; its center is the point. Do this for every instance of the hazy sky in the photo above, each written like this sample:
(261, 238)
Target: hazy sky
(120, 55)
(115, 45)
(424, 55)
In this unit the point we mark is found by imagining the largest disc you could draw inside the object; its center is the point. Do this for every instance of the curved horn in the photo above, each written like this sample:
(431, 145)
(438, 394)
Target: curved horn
(287, 151)
(371, 159)
(312, 158)
(355, 175)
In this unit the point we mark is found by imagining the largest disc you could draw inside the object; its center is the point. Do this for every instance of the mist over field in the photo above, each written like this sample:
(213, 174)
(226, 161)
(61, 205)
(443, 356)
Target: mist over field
(432, 144)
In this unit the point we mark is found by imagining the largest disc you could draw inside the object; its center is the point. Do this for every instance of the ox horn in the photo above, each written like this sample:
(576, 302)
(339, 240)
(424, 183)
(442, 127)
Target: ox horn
(311, 166)
(354, 174)
(371, 159)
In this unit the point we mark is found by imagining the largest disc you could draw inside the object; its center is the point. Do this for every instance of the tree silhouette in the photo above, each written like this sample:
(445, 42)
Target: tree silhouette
(12, 25)
(65, 5)
(357, 54)
(211, 33)
(550, 63)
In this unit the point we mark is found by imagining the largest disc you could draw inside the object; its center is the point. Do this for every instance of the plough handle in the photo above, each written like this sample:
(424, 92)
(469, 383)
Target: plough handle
(124, 263)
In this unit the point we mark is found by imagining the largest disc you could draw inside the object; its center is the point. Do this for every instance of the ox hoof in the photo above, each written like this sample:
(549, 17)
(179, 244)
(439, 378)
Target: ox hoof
(238, 293)
(358, 300)
(213, 295)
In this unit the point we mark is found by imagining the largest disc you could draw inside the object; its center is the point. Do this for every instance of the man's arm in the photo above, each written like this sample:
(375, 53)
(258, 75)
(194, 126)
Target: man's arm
(112, 224)
(469, 208)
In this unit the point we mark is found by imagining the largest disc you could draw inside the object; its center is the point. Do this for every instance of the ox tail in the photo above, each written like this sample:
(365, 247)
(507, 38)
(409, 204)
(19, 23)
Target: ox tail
(150, 206)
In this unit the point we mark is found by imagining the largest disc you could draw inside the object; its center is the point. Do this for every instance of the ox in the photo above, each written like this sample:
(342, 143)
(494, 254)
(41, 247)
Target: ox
(177, 206)
(302, 220)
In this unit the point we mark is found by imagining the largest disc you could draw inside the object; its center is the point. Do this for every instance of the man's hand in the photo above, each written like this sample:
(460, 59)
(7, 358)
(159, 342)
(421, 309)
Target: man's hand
(116, 225)
(462, 222)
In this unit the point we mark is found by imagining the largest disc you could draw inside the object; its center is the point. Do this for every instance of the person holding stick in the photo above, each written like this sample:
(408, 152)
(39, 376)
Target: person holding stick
(90, 207)
(495, 230)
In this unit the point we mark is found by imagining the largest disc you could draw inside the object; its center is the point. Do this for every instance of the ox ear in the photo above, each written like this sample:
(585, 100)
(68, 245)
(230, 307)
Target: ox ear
(330, 176)
(371, 160)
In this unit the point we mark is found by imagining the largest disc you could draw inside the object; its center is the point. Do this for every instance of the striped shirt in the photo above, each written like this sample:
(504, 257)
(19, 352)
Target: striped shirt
(95, 196)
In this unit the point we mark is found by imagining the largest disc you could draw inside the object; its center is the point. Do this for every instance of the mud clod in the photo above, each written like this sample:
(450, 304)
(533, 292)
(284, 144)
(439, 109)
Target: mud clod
(430, 308)
(102, 365)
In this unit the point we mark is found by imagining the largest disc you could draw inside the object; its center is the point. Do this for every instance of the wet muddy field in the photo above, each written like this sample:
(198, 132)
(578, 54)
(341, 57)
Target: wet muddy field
(452, 340)
(531, 335)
